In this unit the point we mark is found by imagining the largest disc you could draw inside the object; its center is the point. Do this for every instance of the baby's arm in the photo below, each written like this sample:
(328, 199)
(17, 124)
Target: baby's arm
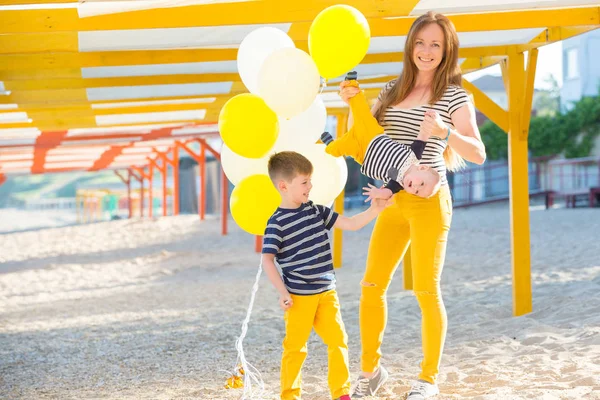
(268, 263)
(373, 192)
(386, 192)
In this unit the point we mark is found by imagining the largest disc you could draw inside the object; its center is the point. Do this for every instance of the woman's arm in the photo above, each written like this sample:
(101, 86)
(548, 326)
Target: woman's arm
(348, 92)
(465, 138)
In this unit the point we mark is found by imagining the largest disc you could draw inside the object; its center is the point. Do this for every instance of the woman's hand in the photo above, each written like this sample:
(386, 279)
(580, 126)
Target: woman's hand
(432, 126)
(347, 92)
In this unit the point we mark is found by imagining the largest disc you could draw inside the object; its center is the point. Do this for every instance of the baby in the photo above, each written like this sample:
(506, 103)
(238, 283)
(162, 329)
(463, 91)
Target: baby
(381, 157)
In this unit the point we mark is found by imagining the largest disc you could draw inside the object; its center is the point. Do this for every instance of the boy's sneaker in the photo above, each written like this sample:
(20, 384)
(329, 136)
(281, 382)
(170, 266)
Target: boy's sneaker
(344, 397)
(422, 390)
(369, 386)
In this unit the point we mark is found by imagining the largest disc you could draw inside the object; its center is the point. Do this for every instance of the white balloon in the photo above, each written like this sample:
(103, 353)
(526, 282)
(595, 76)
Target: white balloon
(305, 128)
(254, 49)
(329, 174)
(237, 167)
(289, 82)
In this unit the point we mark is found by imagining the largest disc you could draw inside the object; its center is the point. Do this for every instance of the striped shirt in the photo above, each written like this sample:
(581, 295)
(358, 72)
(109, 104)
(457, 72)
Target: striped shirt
(403, 124)
(384, 153)
(298, 238)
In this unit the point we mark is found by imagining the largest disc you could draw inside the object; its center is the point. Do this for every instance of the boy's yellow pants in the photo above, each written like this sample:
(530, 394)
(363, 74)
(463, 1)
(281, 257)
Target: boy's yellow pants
(424, 223)
(322, 312)
(354, 143)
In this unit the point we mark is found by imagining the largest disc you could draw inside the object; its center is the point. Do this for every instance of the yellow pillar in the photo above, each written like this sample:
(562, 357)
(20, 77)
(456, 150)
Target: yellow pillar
(338, 238)
(519, 105)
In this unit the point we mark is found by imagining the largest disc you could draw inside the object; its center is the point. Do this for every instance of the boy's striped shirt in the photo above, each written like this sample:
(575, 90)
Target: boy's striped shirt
(299, 240)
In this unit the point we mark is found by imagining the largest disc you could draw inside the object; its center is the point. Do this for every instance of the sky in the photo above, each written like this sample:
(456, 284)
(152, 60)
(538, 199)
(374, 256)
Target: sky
(549, 63)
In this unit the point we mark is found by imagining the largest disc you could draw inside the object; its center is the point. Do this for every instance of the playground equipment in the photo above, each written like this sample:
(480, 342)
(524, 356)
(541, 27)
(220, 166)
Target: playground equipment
(94, 205)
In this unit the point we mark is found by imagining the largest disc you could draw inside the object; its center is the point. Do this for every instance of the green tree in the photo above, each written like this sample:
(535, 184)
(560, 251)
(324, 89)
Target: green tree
(572, 132)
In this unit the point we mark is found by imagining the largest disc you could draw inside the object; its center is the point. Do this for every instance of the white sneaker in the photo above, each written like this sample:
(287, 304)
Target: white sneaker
(422, 390)
(369, 386)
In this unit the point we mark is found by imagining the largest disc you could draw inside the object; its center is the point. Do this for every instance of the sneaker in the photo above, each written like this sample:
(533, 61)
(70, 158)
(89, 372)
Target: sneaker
(422, 390)
(344, 397)
(369, 386)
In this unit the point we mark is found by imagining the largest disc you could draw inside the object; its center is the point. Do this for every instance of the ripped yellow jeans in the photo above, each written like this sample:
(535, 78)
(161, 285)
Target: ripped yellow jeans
(424, 224)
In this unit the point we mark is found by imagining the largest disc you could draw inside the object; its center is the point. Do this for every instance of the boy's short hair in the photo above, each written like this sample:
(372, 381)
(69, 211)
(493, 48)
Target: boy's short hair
(287, 165)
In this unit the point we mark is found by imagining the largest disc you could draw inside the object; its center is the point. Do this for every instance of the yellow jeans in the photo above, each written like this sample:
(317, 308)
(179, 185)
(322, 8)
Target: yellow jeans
(424, 224)
(322, 312)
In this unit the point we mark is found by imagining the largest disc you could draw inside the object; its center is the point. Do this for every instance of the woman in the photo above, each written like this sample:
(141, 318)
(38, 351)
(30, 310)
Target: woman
(427, 96)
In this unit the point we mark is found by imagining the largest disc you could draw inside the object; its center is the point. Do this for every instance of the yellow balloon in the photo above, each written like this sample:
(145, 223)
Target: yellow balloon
(252, 203)
(338, 40)
(248, 126)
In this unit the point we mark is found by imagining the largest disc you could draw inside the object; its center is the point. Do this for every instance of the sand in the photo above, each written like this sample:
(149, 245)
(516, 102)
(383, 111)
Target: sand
(150, 309)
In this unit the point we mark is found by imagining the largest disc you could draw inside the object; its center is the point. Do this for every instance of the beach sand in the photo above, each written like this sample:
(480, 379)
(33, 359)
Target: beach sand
(150, 309)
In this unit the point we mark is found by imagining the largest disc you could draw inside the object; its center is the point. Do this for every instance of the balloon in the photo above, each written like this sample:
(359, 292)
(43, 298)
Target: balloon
(254, 49)
(248, 126)
(329, 174)
(303, 129)
(252, 203)
(289, 82)
(338, 40)
(237, 167)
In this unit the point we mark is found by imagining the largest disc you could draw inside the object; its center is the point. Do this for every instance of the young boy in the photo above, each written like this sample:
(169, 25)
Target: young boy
(296, 237)
(381, 157)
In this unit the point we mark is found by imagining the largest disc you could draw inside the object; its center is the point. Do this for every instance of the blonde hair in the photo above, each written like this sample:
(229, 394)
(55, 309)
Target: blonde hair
(448, 74)
(287, 165)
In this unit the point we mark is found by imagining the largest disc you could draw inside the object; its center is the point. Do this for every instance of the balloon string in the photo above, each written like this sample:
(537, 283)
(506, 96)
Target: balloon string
(323, 85)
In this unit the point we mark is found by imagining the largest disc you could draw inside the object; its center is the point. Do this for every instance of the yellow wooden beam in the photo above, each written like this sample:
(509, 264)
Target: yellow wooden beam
(487, 106)
(558, 33)
(519, 185)
(35, 74)
(248, 13)
(10, 62)
(39, 42)
(215, 14)
(504, 69)
(473, 64)
(529, 89)
(22, 2)
(79, 95)
(86, 118)
(61, 59)
(49, 102)
(63, 65)
(46, 96)
(86, 110)
(78, 83)
(86, 122)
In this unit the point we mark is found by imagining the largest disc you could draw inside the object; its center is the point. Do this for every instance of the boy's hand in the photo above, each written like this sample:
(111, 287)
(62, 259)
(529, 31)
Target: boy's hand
(381, 204)
(285, 301)
(374, 192)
